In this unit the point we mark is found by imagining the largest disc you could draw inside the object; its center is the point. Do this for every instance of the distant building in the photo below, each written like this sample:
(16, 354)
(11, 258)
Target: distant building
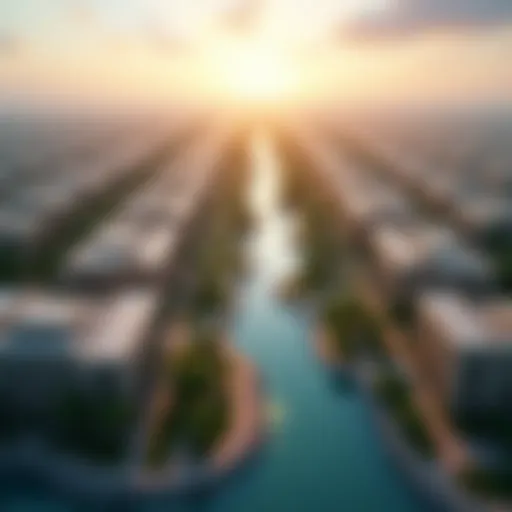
(139, 243)
(370, 205)
(411, 259)
(44, 205)
(486, 217)
(121, 253)
(22, 222)
(466, 352)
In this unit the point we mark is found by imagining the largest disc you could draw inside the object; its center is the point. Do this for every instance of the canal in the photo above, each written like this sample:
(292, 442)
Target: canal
(323, 453)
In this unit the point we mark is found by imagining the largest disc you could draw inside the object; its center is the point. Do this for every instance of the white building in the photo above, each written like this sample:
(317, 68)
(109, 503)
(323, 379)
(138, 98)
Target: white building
(53, 343)
(371, 205)
(121, 253)
(486, 216)
(412, 258)
(466, 350)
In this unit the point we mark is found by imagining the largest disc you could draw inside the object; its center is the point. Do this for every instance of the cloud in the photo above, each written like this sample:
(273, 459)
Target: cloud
(408, 17)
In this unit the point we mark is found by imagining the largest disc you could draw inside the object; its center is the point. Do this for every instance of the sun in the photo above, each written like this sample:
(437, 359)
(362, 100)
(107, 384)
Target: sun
(257, 73)
(252, 71)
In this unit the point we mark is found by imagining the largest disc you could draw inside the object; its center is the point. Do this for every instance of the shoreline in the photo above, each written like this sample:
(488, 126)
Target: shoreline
(433, 485)
(323, 346)
(247, 426)
(237, 445)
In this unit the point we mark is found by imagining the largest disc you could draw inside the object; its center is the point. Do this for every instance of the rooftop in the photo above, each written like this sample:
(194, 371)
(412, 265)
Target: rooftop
(380, 203)
(487, 212)
(466, 323)
(48, 326)
(120, 247)
(406, 246)
(416, 245)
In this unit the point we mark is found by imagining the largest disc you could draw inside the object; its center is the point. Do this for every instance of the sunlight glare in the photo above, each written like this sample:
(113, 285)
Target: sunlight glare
(252, 71)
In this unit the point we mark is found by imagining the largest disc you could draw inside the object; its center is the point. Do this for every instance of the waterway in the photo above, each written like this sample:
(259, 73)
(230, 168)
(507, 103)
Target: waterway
(323, 453)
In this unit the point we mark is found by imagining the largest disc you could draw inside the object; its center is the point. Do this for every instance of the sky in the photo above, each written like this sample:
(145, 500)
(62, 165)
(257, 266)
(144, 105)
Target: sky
(453, 50)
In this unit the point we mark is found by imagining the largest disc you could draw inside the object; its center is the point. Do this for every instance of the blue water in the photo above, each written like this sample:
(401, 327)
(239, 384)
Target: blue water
(323, 453)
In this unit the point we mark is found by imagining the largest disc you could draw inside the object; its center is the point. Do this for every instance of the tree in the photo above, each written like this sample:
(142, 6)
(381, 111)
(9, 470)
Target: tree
(355, 330)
